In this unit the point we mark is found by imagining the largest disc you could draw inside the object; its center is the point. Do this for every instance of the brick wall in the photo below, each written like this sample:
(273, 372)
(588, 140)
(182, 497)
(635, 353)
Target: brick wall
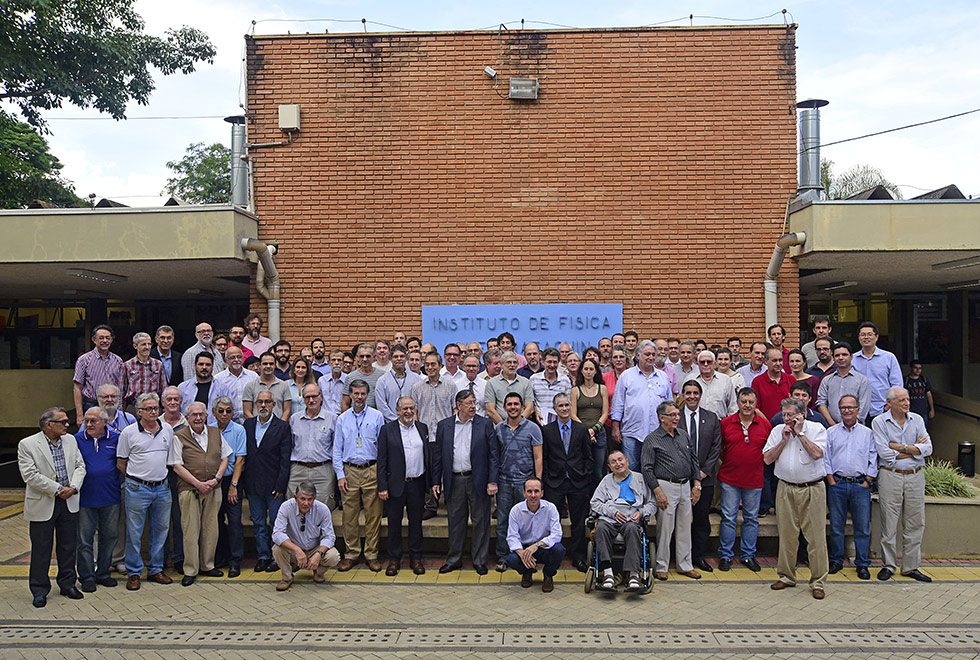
(653, 170)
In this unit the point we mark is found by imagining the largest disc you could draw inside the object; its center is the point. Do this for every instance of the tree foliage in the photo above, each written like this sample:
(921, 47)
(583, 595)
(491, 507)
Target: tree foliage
(28, 171)
(853, 180)
(203, 175)
(91, 52)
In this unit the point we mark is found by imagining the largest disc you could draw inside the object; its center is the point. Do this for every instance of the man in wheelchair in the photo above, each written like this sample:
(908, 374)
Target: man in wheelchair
(623, 503)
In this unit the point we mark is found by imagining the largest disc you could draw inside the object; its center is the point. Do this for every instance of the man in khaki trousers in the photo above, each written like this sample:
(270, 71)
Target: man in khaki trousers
(200, 456)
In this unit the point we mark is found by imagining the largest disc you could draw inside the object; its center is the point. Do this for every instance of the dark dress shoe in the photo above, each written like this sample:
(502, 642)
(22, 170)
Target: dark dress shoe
(818, 594)
(160, 578)
(429, 515)
(835, 568)
(751, 564)
(392, 568)
(918, 575)
(107, 582)
(73, 593)
(263, 565)
(374, 565)
(88, 587)
(481, 569)
(234, 571)
(346, 564)
(133, 583)
(703, 565)
(214, 572)
(40, 601)
(419, 568)
(548, 584)
(885, 574)
(188, 580)
(724, 564)
(864, 573)
(527, 580)
(449, 568)
(579, 565)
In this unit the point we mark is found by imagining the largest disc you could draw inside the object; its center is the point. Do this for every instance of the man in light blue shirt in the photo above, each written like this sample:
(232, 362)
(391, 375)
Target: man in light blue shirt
(879, 366)
(394, 384)
(851, 462)
(230, 532)
(638, 392)
(355, 459)
(303, 536)
(903, 445)
(332, 382)
(534, 536)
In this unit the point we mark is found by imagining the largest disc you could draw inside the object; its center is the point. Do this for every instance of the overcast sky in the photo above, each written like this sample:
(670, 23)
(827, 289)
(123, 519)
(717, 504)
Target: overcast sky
(881, 66)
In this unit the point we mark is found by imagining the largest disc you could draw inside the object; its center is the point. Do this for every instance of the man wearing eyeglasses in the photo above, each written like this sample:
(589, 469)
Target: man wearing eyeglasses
(99, 500)
(142, 455)
(717, 391)
(53, 469)
(303, 536)
(743, 436)
(205, 344)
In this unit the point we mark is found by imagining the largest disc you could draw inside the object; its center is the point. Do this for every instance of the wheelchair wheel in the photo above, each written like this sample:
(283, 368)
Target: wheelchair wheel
(590, 572)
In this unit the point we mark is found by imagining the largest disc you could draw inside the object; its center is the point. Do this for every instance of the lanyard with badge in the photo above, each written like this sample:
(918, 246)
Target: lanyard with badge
(358, 422)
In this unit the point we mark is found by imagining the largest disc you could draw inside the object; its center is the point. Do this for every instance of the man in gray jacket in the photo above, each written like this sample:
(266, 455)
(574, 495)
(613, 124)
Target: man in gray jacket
(623, 502)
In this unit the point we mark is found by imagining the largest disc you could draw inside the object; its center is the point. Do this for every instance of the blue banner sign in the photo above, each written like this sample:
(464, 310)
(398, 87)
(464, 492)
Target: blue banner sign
(581, 325)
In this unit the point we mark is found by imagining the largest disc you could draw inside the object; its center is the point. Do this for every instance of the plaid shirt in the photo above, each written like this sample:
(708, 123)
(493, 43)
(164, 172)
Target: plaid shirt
(93, 370)
(58, 456)
(142, 378)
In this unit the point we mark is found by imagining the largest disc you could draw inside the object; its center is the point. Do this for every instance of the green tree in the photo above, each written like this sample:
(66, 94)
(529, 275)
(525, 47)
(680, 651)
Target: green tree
(93, 53)
(28, 171)
(203, 175)
(853, 180)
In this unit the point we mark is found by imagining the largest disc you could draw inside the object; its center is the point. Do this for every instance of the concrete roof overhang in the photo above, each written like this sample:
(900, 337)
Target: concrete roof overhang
(887, 246)
(179, 252)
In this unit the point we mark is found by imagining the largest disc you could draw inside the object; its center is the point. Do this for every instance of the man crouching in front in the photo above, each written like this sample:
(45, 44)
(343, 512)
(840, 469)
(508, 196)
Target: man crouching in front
(303, 537)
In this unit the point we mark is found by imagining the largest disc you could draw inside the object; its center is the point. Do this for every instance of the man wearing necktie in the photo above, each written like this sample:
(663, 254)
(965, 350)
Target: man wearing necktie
(568, 465)
(704, 429)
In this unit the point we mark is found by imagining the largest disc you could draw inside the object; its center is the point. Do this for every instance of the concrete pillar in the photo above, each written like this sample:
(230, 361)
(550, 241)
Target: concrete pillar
(958, 312)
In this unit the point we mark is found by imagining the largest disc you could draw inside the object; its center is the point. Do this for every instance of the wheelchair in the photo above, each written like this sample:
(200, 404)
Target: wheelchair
(618, 552)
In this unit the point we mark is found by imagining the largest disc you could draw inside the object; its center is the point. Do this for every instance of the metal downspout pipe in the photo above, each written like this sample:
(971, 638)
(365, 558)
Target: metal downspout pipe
(266, 281)
(775, 263)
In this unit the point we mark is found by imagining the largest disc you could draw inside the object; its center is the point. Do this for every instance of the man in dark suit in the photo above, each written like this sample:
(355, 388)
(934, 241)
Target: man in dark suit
(269, 443)
(404, 476)
(568, 472)
(464, 464)
(164, 352)
(704, 428)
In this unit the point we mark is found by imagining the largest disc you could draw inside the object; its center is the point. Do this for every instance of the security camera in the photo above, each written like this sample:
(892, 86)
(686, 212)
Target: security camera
(490, 73)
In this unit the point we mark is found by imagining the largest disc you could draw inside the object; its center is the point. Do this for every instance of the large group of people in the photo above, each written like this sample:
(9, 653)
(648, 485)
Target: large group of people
(174, 443)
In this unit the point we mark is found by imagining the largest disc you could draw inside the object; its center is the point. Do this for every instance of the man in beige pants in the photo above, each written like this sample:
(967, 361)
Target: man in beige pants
(303, 536)
(200, 456)
(797, 447)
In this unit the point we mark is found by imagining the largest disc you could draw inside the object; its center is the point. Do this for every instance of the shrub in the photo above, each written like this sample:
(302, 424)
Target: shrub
(944, 480)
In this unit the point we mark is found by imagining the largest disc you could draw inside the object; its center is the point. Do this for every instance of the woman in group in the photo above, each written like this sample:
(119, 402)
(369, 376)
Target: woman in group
(300, 376)
(573, 363)
(723, 365)
(620, 363)
(797, 365)
(590, 406)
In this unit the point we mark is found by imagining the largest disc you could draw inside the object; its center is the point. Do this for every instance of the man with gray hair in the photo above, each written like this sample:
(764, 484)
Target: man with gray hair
(797, 447)
(109, 401)
(717, 392)
(199, 455)
(205, 344)
(509, 381)
(638, 392)
(903, 444)
(303, 536)
(99, 500)
(53, 470)
(142, 455)
(365, 371)
(142, 372)
(232, 381)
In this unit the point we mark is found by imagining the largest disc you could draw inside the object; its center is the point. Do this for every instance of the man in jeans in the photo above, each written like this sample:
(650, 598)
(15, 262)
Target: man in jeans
(521, 457)
(99, 499)
(743, 434)
(142, 456)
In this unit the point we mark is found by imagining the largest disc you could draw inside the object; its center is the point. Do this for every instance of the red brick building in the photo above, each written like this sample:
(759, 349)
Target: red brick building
(653, 170)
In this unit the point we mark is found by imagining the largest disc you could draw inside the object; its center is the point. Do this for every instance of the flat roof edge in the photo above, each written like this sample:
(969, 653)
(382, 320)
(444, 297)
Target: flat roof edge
(193, 208)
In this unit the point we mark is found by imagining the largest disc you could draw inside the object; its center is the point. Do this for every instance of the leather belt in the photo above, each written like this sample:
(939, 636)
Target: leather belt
(147, 483)
(411, 479)
(883, 467)
(310, 465)
(850, 480)
(464, 473)
(676, 481)
(806, 485)
(361, 465)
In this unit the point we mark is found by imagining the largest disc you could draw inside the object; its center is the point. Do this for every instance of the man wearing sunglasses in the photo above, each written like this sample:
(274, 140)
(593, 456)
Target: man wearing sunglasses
(53, 470)
(303, 536)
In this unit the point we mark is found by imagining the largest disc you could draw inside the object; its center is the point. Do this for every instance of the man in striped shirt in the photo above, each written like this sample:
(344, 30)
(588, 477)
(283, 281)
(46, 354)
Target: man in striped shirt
(143, 373)
(95, 368)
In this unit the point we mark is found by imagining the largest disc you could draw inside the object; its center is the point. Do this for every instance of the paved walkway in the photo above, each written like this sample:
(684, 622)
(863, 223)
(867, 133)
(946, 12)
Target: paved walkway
(365, 615)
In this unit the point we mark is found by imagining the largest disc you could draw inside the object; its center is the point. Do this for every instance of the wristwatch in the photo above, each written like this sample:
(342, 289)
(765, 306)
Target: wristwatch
(235, 484)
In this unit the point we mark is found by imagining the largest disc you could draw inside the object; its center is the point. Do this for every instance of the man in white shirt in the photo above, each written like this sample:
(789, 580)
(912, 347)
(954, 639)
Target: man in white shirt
(797, 448)
(473, 382)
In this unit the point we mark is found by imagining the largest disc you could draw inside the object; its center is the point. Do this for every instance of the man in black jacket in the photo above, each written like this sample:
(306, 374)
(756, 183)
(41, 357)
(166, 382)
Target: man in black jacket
(164, 352)
(704, 429)
(269, 443)
(568, 472)
(403, 479)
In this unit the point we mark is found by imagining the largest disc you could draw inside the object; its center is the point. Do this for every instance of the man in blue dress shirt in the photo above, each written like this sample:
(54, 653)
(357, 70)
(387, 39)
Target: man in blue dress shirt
(534, 537)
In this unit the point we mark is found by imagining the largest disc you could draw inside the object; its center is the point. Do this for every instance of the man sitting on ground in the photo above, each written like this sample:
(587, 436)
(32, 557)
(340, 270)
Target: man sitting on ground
(622, 502)
(303, 536)
(534, 536)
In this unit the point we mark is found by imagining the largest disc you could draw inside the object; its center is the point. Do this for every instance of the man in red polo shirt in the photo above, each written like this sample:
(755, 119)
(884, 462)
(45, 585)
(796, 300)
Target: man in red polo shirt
(743, 434)
(772, 386)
